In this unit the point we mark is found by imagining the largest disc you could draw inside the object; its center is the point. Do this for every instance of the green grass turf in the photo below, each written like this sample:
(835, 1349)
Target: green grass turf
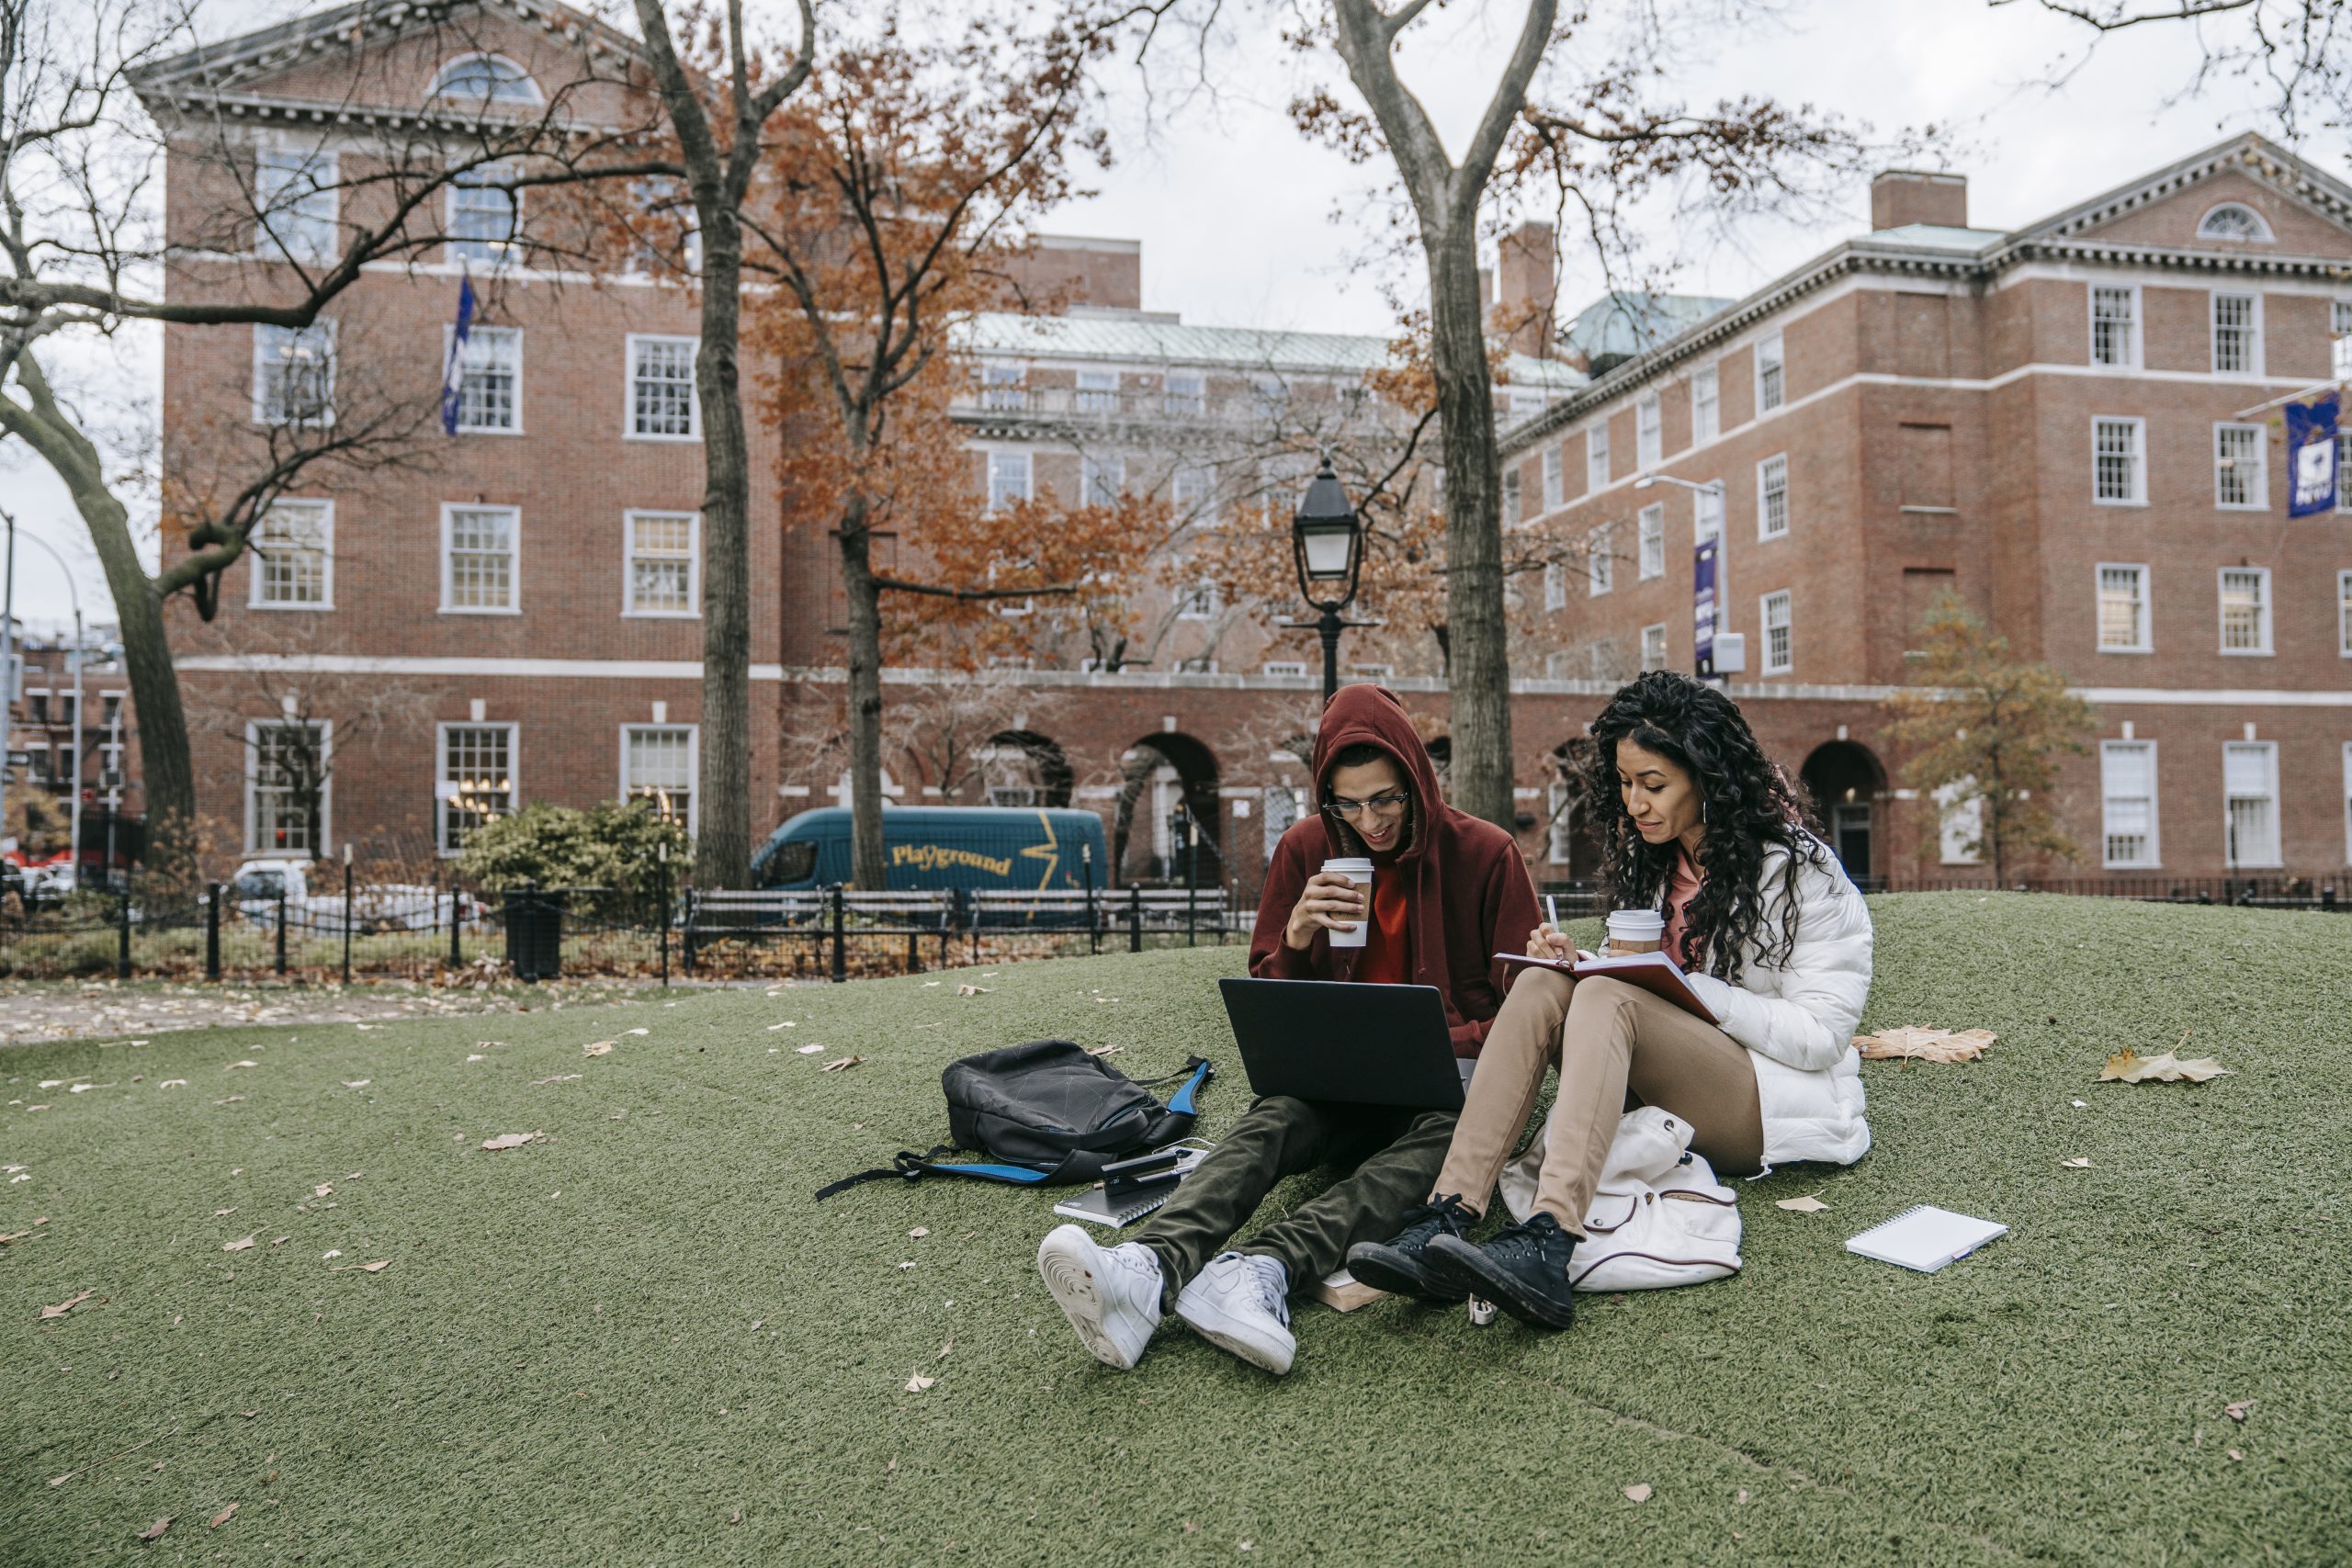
(614, 1375)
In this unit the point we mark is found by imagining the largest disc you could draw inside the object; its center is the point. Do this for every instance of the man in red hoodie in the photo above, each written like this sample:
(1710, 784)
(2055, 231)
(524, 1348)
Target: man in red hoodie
(1448, 892)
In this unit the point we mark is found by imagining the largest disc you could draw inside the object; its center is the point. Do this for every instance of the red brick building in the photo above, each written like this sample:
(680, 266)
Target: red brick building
(2029, 418)
(2073, 425)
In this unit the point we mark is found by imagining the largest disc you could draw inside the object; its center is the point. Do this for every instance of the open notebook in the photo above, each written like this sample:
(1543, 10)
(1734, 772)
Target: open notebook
(1926, 1238)
(1655, 973)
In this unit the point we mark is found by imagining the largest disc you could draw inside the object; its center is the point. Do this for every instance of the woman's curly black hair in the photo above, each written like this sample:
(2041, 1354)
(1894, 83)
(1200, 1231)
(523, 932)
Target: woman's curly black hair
(1750, 808)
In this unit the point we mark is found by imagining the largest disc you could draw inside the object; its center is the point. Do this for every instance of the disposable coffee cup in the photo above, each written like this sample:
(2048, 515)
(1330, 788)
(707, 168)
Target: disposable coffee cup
(1635, 930)
(1357, 870)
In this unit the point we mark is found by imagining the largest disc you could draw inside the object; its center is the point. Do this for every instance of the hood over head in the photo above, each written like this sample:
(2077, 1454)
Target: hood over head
(1359, 713)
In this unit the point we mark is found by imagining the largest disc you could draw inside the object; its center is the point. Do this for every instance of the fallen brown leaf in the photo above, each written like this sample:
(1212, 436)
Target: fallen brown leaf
(357, 1083)
(1806, 1206)
(375, 1268)
(944, 1349)
(920, 1231)
(509, 1140)
(918, 1382)
(2126, 1067)
(68, 1304)
(239, 1246)
(1926, 1044)
(234, 1065)
(836, 1066)
(155, 1532)
(599, 1047)
(1106, 1050)
(223, 1517)
(2236, 1455)
(974, 990)
(2075, 1164)
(1638, 1492)
(15, 1236)
(2237, 1412)
(323, 1190)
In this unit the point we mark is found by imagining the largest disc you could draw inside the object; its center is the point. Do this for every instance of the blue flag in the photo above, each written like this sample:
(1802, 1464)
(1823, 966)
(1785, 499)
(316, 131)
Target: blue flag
(453, 374)
(2311, 457)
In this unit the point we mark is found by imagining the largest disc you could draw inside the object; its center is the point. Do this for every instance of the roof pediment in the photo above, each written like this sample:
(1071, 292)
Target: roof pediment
(2247, 165)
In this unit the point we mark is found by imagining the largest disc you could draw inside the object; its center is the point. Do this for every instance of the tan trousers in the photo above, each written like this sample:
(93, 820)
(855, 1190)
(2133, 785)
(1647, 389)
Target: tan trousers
(1617, 1046)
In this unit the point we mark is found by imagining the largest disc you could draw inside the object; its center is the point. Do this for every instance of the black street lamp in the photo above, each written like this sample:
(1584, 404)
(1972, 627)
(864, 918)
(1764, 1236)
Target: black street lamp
(1327, 540)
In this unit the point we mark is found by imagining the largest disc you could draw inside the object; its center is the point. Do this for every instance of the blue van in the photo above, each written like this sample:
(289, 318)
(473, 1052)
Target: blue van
(934, 848)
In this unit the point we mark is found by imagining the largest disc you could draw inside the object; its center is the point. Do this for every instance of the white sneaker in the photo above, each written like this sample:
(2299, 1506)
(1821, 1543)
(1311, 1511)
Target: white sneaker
(1110, 1296)
(1241, 1302)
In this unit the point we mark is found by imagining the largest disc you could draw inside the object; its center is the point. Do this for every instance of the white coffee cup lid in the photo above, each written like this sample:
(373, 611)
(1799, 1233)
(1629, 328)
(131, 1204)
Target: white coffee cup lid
(1636, 922)
(1348, 863)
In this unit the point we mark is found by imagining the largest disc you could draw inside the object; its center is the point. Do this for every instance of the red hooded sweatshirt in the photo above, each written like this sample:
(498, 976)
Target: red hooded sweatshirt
(1468, 897)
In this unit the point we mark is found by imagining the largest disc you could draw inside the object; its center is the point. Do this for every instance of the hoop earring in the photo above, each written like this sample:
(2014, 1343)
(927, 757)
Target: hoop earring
(1702, 814)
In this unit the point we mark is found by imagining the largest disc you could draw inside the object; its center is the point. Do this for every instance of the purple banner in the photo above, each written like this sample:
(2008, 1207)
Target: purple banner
(2311, 457)
(1702, 605)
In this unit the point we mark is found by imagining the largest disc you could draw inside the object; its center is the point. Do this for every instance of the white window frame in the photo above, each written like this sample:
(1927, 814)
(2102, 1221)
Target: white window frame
(632, 344)
(1283, 669)
(1653, 633)
(2251, 368)
(1765, 473)
(2145, 600)
(520, 78)
(1650, 537)
(2153, 857)
(441, 777)
(2347, 803)
(449, 508)
(693, 766)
(1771, 354)
(1514, 511)
(483, 334)
(1649, 431)
(489, 254)
(256, 544)
(1199, 599)
(1095, 390)
(2261, 574)
(1706, 513)
(2270, 856)
(1555, 477)
(631, 608)
(2343, 616)
(2258, 492)
(1555, 586)
(2262, 234)
(1764, 606)
(2133, 345)
(254, 726)
(1596, 456)
(2339, 350)
(1028, 476)
(274, 170)
(1184, 392)
(1600, 567)
(2139, 496)
(264, 338)
(1707, 410)
(1559, 824)
(1102, 481)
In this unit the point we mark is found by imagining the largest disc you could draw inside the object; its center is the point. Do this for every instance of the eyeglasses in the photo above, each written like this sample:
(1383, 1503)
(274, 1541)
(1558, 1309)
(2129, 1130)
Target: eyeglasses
(1383, 804)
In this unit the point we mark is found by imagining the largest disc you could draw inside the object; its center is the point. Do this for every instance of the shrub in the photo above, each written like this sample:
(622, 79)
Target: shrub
(614, 847)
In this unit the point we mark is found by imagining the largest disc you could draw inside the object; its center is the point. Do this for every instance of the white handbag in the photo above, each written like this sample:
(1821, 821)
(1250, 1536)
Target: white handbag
(1659, 1217)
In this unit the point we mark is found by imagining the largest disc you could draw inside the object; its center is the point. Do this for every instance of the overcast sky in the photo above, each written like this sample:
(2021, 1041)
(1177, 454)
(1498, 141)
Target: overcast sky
(1234, 209)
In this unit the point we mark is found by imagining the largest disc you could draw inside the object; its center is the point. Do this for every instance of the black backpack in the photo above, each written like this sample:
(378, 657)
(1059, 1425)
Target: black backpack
(1045, 1114)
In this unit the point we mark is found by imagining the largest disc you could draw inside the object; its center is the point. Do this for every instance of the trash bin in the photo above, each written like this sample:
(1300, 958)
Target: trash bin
(534, 932)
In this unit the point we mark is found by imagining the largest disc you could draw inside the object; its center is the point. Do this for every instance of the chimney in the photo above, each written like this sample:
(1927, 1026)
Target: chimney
(1912, 196)
(1525, 290)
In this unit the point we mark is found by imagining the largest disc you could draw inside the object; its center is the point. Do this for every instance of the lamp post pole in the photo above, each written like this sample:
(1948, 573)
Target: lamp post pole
(7, 664)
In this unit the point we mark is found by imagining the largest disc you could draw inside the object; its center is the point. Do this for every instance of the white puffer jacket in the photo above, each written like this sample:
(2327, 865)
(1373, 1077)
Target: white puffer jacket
(1798, 1019)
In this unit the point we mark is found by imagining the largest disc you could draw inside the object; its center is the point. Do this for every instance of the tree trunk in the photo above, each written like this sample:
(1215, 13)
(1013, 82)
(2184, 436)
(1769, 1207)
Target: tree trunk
(167, 774)
(1476, 645)
(869, 865)
(723, 784)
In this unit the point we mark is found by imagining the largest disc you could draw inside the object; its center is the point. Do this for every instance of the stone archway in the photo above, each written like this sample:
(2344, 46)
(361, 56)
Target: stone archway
(1846, 783)
(1163, 773)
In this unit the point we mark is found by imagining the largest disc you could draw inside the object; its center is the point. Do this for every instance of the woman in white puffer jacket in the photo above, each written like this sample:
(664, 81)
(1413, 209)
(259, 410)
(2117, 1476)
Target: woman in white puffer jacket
(1696, 822)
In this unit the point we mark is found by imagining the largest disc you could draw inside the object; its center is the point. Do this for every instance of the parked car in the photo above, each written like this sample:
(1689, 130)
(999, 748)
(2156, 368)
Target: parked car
(936, 848)
(375, 905)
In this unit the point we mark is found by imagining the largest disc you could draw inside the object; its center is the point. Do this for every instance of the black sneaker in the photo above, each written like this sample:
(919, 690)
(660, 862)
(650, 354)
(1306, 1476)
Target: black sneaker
(1522, 1268)
(1398, 1263)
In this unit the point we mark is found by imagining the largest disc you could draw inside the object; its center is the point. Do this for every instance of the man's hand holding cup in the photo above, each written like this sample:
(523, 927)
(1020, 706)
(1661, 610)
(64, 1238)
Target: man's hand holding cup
(1332, 901)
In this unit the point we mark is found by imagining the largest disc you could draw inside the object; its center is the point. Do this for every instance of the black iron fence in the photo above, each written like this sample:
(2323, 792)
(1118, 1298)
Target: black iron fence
(435, 933)
(532, 933)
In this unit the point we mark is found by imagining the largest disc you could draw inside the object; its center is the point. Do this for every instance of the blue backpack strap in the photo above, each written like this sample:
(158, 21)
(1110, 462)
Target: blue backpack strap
(1181, 1103)
(912, 1166)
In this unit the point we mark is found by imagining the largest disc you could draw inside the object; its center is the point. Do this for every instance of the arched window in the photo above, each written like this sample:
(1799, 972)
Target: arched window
(2233, 221)
(486, 78)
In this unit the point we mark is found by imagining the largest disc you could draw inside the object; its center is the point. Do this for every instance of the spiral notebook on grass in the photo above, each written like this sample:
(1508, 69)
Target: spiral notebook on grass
(1115, 1202)
(1926, 1238)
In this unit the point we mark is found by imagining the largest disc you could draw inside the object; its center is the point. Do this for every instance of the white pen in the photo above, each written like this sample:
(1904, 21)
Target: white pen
(1552, 911)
